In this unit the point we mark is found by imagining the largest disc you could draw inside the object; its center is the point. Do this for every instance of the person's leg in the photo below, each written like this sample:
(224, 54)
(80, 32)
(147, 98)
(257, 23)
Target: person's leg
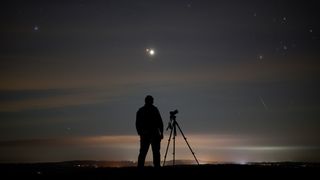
(144, 147)
(155, 144)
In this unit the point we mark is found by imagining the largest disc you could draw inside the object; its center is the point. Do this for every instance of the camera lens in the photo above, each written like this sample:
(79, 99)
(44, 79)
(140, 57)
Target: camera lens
(174, 112)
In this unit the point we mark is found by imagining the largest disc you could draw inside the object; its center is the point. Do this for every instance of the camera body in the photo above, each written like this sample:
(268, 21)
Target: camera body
(172, 121)
(173, 113)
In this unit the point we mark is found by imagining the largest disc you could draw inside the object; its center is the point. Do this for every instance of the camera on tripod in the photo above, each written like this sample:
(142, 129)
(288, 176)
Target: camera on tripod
(173, 113)
(172, 119)
(173, 126)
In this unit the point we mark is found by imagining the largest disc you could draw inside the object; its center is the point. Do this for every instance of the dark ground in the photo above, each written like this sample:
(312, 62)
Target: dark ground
(252, 171)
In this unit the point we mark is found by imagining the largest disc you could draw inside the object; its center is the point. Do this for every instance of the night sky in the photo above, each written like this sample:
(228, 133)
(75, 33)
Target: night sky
(244, 76)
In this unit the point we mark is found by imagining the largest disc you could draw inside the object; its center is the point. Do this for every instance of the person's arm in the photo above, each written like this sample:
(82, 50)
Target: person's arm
(160, 124)
(138, 122)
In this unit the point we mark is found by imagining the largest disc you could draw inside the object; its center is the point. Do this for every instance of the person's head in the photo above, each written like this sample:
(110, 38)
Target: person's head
(148, 100)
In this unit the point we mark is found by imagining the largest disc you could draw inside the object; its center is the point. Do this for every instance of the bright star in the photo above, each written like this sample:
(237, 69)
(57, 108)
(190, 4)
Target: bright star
(150, 51)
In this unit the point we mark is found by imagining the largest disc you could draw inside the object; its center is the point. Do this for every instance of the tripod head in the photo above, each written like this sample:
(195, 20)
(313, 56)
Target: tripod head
(172, 121)
(173, 114)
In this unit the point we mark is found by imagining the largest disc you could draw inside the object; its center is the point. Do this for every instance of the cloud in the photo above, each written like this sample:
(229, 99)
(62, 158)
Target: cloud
(201, 141)
(69, 148)
(110, 140)
(208, 147)
(20, 100)
(94, 85)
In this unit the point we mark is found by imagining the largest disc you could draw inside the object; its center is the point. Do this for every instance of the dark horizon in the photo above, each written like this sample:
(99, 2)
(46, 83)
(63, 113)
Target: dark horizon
(178, 163)
(285, 170)
(244, 76)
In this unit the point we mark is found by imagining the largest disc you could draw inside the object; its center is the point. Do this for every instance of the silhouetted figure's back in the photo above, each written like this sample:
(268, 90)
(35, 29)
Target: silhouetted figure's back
(150, 129)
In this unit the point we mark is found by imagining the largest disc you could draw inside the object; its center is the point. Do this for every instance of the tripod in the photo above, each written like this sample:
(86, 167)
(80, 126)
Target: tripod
(173, 124)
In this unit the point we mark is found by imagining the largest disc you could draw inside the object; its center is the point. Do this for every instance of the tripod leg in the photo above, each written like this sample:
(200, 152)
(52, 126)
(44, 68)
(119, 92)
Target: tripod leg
(165, 155)
(174, 145)
(187, 143)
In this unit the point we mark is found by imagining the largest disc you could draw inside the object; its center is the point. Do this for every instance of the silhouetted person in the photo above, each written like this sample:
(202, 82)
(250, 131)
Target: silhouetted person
(150, 129)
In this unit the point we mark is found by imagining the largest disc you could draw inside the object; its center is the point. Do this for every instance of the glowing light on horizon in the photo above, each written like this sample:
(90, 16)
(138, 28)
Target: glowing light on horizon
(208, 148)
(242, 162)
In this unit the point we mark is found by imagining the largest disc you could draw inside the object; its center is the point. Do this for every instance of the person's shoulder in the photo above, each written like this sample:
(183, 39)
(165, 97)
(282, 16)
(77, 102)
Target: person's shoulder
(155, 107)
(141, 109)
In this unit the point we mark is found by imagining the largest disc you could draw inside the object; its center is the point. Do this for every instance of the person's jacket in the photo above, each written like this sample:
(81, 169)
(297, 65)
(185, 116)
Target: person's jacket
(149, 122)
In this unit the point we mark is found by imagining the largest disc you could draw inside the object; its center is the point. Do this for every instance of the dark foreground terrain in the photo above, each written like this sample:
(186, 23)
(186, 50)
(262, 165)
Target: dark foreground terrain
(219, 171)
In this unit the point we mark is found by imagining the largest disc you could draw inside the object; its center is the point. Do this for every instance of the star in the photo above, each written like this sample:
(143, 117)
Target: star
(36, 28)
(285, 47)
(150, 51)
(284, 20)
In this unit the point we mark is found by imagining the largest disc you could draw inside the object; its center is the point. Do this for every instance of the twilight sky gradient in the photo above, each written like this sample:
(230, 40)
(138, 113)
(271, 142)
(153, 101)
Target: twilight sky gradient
(244, 76)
